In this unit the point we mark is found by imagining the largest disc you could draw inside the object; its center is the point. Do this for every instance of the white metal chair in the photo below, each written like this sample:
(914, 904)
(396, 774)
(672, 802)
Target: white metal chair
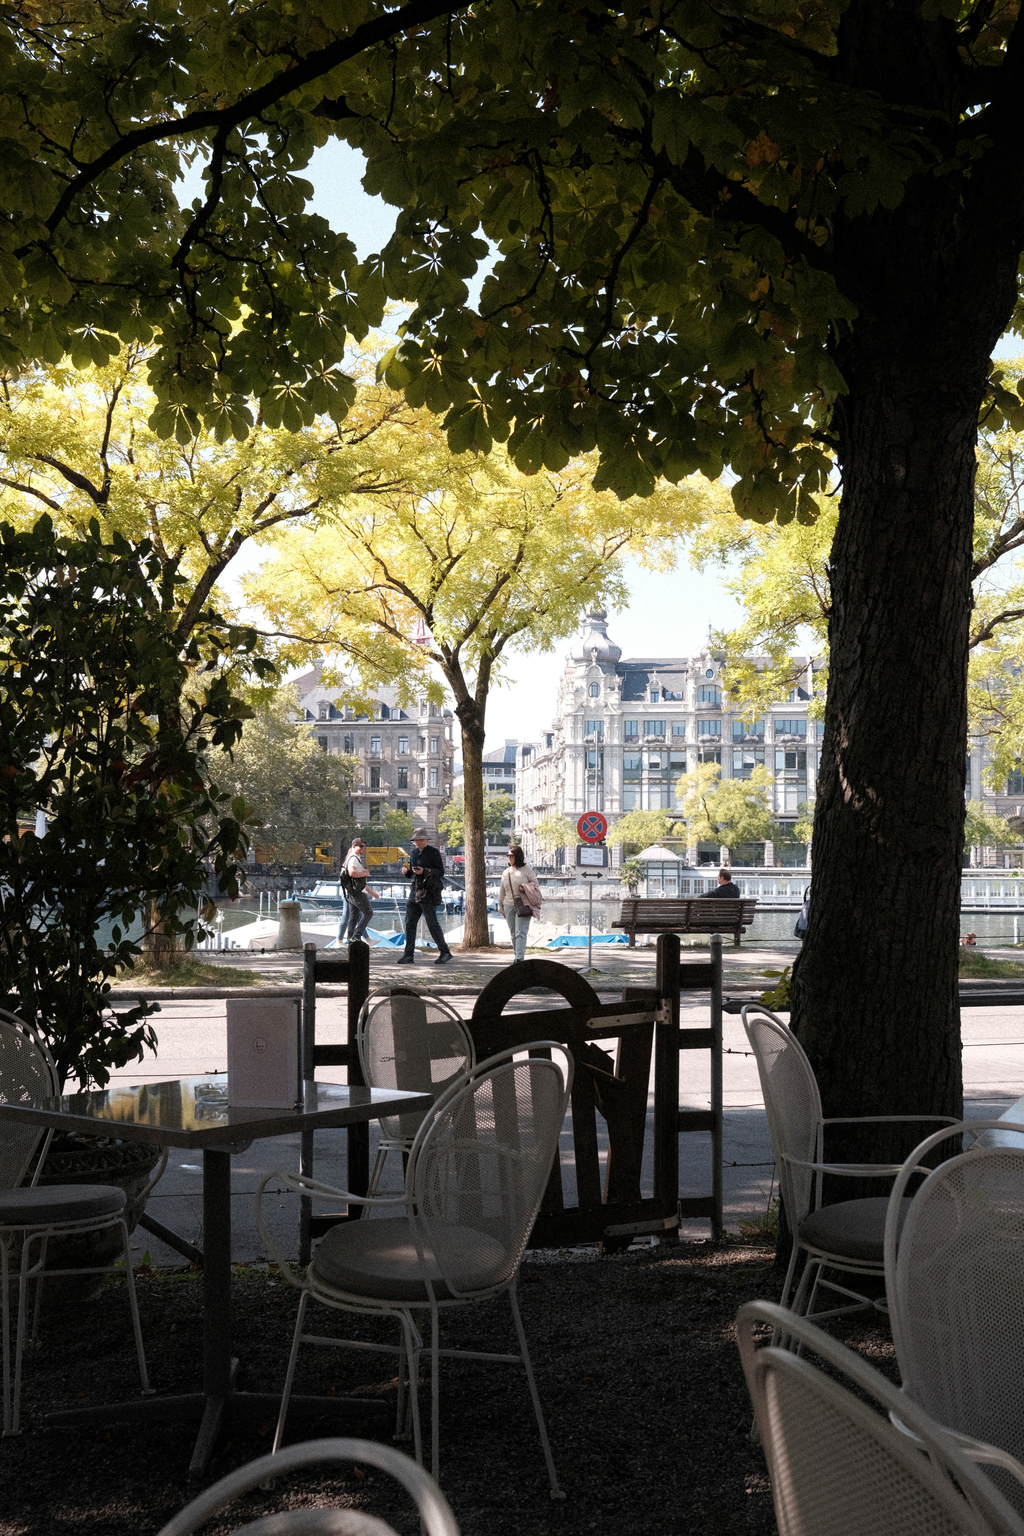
(848, 1235)
(407, 1040)
(955, 1279)
(476, 1175)
(434, 1510)
(838, 1467)
(33, 1214)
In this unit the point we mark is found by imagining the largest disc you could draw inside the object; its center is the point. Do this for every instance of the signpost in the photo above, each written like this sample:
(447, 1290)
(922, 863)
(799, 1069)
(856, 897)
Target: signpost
(591, 858)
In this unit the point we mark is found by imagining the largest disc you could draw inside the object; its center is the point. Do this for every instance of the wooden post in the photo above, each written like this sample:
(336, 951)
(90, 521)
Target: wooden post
(716, 1086)
(666, 1071)
(358, 1135)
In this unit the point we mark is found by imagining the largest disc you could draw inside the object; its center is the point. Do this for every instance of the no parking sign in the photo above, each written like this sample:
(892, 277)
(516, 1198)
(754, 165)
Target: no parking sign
(592, 827)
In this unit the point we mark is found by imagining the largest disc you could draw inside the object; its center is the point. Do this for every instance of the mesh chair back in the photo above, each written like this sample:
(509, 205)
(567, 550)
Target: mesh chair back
(956, 1298)
(838, 1467)
(792, 1104)
(26, 1072)
(479, 1168)
(412, 1042)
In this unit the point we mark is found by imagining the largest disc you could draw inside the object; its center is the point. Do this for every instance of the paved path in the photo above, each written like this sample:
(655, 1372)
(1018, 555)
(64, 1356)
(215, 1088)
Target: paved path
(191, 1039)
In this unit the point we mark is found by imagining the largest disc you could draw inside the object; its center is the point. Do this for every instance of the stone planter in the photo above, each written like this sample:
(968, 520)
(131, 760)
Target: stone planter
(93, 1160)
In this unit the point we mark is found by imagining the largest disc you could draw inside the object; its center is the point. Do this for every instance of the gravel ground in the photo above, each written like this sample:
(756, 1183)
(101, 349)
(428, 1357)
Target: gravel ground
(637, 1368)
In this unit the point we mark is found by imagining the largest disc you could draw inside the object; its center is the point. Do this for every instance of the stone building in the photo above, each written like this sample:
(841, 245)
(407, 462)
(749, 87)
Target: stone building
(405, 755)
(624, 730)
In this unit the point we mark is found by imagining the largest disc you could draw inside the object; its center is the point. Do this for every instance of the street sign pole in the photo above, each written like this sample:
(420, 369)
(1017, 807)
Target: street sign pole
(592, 828)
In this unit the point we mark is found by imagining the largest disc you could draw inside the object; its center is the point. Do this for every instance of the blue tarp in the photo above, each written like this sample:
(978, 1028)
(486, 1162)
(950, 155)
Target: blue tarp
(575, 940)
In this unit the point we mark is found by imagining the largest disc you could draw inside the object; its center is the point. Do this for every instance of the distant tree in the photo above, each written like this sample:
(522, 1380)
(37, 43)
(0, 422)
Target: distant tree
(299, 793)
(557, 831)
(451, 823)
(637, 830)
(391, 829)
(726, 811)
(631, 875)
(982, 829)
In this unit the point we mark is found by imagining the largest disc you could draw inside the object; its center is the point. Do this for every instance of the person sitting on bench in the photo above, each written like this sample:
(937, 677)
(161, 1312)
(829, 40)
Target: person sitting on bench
(726, 885)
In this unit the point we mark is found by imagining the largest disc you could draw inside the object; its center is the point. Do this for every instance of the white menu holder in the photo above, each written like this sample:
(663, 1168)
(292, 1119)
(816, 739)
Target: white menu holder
(263, 1052)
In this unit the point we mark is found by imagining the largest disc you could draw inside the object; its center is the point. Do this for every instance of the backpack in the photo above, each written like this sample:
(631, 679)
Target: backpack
(345, 881)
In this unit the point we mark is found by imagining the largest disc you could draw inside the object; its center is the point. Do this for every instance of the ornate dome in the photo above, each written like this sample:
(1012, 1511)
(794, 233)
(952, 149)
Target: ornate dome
(592, 643)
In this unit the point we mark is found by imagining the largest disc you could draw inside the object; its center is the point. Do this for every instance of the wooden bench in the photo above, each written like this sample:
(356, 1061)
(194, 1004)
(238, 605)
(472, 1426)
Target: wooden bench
(701, 914)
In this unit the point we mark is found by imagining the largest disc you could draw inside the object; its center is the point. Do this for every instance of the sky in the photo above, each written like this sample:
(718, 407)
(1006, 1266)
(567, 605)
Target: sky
(669, 612)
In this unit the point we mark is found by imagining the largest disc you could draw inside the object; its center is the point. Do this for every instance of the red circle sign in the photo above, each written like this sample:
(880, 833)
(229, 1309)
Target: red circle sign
(592, 827)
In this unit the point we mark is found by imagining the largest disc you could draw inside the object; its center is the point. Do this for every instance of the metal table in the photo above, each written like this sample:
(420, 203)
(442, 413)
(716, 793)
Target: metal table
(194, 1112)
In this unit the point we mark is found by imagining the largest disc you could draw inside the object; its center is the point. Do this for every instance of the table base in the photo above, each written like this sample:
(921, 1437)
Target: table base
(213, 1412)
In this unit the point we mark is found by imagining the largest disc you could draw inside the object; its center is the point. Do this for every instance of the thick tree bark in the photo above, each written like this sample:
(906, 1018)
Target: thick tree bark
(472, 722)
(875, 989)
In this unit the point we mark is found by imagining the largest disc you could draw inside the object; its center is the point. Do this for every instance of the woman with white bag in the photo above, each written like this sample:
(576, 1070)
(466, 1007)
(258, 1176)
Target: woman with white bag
(519, 898)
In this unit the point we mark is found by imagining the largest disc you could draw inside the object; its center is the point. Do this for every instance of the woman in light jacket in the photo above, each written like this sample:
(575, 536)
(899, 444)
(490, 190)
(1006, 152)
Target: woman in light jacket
(518, 880)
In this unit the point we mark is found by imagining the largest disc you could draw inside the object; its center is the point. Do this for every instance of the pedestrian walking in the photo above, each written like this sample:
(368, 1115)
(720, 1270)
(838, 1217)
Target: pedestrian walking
(519, 898)
(426, 871)
(359, 908)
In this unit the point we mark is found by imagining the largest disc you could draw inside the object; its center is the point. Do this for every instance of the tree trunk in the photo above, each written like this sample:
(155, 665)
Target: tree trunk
(875, 987)
(472, 723)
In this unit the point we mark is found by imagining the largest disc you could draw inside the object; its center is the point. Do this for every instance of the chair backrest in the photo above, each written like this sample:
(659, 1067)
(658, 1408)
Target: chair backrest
(838, 1467)
(955, 1283)
(26, 1072)
(793, 1106)
(406, 1040)
(480, 1163)
(434, 1510)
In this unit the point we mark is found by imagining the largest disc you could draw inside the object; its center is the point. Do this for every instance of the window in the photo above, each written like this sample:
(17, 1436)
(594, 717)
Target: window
(709, 693)
(423, 778)
(654, 727)
(375, 746)
(679, 729)
(1015, 781)
(402, 805)
(709, 754)
(435, 744)
(678, 762)
(350, 743)
(594, 690)
(433, 778)
(403, 778)
(746, 728)
(375, 811)
(655, 695)
(745, 760)
(593, 727)
(325, 711)
(791, 727)
(709, 727)
(375, 777)
(403, 745)
(423, 743)
(791, 760)
(322, 742)
(631, 764)
(630, 728)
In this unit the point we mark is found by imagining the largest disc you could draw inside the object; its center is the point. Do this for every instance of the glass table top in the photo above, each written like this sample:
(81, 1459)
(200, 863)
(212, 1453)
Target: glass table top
(197, 1111)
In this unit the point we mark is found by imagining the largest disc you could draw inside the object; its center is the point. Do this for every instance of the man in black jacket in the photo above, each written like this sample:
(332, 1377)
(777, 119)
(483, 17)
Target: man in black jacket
(426, 871)
(726, 885)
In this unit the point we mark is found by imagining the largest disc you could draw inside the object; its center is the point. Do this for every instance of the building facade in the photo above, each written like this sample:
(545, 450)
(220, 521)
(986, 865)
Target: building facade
(405, 756)
(625, 730)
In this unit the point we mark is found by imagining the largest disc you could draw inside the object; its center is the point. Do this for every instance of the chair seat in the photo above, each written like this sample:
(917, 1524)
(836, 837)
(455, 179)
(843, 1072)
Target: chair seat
(47, 1203)
(379, 1259)
(852, 1229)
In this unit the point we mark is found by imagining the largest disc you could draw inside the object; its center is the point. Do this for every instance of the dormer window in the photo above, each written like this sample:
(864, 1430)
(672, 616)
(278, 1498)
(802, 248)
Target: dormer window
(595, 690)
(325, 711)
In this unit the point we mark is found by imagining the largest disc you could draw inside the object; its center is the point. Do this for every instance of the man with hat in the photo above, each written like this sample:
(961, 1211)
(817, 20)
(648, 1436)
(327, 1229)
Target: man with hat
(425, 869)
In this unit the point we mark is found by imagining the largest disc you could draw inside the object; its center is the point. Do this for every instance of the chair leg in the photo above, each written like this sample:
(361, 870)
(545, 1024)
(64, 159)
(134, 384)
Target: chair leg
(435, 1395)
(129, 1275)
(19, 1339)
(556, 1491)
(290, 1374)
(378, 1169)
(5, 1278)
(413, 1345)
(37, 1310)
